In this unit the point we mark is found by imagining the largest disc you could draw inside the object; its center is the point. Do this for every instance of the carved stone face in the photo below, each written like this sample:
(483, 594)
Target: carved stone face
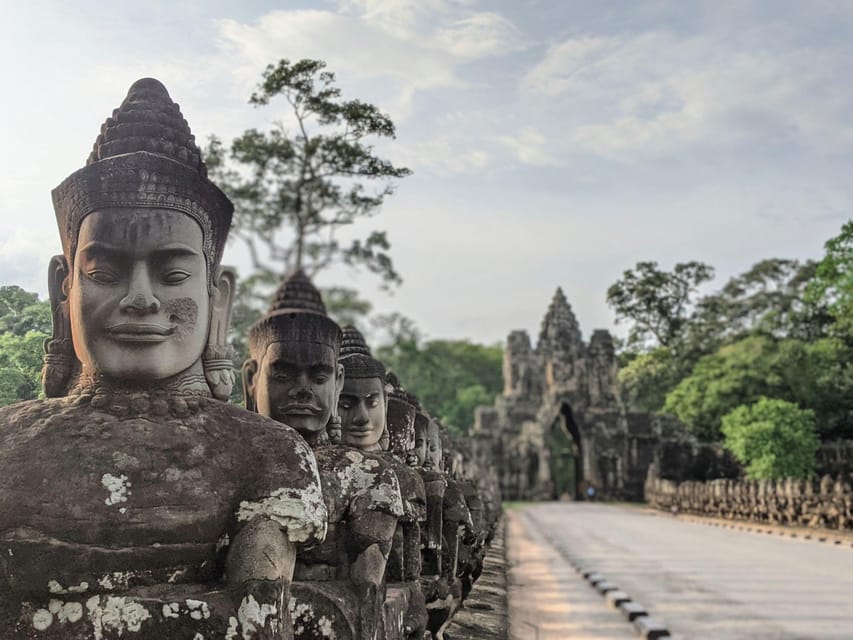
(420, 449)
(433, 453)
(296, 383)
(138, 298)
(362, 407)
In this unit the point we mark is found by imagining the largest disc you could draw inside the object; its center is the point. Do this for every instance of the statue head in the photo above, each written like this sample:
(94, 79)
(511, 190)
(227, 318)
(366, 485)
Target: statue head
(402, 408)
(293, 374)
(434, 451)
(363, 403)
(138, 295)
(421, 428)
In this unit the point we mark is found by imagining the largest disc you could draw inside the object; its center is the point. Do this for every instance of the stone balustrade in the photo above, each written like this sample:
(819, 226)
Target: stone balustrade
(826, 502)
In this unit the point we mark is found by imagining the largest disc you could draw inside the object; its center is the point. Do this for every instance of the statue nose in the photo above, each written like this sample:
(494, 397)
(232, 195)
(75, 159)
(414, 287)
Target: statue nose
(301, 390)
(140, 303)
(140, 296)
(360, 418)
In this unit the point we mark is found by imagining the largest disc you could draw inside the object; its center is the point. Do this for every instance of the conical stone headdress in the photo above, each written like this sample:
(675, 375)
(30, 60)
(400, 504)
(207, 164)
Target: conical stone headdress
(400, 417)
(145, 156)
(356, 357)
(297, 314)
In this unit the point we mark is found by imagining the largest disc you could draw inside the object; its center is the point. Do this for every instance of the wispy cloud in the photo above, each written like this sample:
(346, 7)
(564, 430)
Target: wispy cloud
(658, 92)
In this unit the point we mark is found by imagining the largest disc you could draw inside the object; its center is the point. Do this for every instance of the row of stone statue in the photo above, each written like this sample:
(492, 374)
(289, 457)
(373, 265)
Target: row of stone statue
(827, 503)
(135, 502)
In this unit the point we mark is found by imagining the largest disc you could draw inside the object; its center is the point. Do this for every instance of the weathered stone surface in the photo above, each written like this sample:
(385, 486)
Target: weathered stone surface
(295, 375)
(126, 496)
(791, 502)
(561, 430)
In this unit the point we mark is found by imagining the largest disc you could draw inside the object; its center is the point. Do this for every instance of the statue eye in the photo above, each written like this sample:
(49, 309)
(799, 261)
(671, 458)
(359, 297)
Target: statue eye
(345, 404)
(372, 401)
(175, 276)
(102, 276)
(320, 378)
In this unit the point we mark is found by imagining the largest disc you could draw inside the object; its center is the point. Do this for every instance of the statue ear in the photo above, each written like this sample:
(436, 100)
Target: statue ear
(60, 361)
(250, 372)
(218, 366)
(339, 383)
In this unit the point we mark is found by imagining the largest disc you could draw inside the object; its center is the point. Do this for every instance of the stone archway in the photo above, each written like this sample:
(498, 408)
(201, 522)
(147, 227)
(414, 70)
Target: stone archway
(565, 448)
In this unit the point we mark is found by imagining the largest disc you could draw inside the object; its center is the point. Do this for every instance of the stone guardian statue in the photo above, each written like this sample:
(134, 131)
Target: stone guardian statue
(129, 495)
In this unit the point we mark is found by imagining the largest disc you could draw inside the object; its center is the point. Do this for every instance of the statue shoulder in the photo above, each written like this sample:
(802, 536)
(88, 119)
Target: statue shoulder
(367, 480)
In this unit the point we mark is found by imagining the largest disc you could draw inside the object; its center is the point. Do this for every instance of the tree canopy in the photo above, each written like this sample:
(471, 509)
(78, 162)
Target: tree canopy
(450, 377)
(772, 438)
(657, 302)
(25, 323)
(296, 185)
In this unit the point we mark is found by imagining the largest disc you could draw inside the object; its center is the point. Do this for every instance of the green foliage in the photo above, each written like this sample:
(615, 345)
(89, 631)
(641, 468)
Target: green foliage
(25, 323)
(20, 366)
(22, 312)
(736, 374)
(450, 377)
(832, 285)
(768, 299)
(772, 438)
(814, 375)
(309, 178)
(657, 302)
(645, 380)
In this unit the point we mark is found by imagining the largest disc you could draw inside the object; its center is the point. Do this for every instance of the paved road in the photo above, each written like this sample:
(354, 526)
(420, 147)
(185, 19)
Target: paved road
(704, 582)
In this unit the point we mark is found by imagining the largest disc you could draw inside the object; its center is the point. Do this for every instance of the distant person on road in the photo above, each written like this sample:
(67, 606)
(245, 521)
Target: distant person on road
(590, 493)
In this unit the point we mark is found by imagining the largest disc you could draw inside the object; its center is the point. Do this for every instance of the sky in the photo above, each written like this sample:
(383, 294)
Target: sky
(552, 143)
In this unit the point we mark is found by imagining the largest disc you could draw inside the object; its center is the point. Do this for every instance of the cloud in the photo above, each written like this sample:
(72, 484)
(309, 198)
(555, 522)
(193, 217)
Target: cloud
(529, 145)
(658, 92)
(406, 46)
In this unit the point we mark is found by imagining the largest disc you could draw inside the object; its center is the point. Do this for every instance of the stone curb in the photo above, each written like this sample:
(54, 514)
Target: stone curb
(796, 533)
(485, 615)
(648, 627)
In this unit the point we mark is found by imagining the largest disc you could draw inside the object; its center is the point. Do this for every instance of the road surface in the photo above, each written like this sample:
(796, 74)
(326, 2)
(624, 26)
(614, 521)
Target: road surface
(703, 582)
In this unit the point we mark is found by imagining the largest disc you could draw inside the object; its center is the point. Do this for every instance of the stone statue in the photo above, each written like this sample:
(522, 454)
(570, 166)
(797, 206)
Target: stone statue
(128, 495)
(367, 412)
(293, 375)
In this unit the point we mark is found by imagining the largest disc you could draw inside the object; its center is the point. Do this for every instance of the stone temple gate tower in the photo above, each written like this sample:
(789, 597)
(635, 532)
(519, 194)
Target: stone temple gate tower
(559, 426)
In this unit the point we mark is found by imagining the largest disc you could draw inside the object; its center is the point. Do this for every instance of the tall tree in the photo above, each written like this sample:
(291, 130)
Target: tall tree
(833, 282)
(296, 185)
(657, 302)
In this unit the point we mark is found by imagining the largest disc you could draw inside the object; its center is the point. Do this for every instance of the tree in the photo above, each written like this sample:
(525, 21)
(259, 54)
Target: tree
(832, 285)
(20, 366)
(21, 311)
(817, 376)
(736, 374)
(25, 323)
(657, 302)
(645, 380)
(768, 299)
(309, 178)
(450, 377)
(772, 438)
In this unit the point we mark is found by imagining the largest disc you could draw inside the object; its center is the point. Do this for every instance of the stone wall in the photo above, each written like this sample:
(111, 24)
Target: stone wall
(810, 503)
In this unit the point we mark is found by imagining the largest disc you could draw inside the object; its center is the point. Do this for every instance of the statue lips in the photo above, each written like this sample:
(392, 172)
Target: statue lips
(299, 409)
(136, 332)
